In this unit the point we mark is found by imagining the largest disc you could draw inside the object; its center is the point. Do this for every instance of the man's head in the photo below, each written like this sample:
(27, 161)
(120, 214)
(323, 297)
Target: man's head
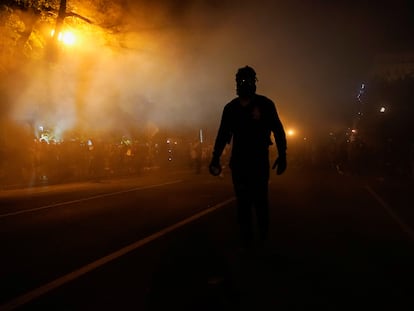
(246, 81)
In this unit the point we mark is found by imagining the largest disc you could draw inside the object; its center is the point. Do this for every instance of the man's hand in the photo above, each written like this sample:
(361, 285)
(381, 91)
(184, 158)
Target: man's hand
(280, 165)
(215, 167)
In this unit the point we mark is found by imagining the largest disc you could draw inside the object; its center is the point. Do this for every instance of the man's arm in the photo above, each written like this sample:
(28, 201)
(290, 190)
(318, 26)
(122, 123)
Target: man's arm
(278, 132)
(280, 139)
(223, 137)
(224, 134)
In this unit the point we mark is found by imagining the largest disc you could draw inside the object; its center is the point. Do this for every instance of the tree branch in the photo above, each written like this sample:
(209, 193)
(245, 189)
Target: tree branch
(79, 16)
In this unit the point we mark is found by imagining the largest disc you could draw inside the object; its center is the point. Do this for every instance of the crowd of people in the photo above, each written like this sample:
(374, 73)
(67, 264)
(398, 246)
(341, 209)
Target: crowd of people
(39, 161)
(34, 161)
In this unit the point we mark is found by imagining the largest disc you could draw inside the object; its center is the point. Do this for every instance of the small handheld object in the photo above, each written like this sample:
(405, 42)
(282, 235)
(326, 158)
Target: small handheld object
(215, 167)
(280, 165)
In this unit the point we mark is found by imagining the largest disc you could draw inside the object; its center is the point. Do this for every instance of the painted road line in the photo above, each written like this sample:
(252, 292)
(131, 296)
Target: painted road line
(87, 199)
(28, 297)
(406, 228)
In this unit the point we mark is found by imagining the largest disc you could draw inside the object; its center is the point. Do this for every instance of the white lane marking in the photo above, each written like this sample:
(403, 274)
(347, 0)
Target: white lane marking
(406, 228)
(87, 199)
(26, 298)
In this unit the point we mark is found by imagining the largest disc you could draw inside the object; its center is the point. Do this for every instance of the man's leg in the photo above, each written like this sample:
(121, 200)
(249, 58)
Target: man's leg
(244, 209)
(261, 204)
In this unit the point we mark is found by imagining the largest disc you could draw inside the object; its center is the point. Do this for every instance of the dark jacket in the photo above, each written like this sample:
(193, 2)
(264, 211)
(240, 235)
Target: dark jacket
(249, 128)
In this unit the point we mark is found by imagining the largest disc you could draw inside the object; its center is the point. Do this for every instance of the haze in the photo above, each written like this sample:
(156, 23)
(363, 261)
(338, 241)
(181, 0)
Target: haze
(174, 64)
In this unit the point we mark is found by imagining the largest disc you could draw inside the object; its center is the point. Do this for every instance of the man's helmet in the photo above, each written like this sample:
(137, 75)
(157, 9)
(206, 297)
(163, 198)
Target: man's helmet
(246, 81)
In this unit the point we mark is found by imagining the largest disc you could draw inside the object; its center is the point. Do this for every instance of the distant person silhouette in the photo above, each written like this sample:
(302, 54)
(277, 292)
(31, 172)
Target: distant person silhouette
(248, 122)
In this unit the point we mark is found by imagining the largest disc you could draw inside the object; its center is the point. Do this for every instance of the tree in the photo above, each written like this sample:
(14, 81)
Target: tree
(23, 26)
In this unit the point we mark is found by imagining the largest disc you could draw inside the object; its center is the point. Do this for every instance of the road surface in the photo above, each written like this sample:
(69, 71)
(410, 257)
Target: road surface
(170, 240)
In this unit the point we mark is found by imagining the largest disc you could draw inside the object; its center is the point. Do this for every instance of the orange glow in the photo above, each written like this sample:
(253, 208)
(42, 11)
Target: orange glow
(66, 37)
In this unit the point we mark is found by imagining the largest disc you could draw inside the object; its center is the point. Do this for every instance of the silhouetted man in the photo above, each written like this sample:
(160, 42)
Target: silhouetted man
(248, 122)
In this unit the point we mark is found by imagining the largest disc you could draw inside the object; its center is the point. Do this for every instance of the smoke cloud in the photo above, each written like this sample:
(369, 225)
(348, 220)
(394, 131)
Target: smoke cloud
(175, 61)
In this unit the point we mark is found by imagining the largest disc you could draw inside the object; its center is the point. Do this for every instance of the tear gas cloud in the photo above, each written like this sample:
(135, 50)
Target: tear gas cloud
(176, 60)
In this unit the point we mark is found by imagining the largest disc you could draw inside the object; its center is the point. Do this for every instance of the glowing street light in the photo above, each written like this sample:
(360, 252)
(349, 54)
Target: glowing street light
(66, 37)
(290, 132)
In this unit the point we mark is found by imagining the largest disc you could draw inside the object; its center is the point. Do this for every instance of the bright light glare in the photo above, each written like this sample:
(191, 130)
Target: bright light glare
(291, 132)
(382, 109)
(65, 37)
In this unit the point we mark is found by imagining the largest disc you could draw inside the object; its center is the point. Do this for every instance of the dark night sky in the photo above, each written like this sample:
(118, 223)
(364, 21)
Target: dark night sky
(310, 56)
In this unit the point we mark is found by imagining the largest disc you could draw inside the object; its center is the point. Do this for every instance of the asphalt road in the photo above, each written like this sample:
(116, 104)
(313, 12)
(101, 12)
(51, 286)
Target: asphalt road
(170, 240)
